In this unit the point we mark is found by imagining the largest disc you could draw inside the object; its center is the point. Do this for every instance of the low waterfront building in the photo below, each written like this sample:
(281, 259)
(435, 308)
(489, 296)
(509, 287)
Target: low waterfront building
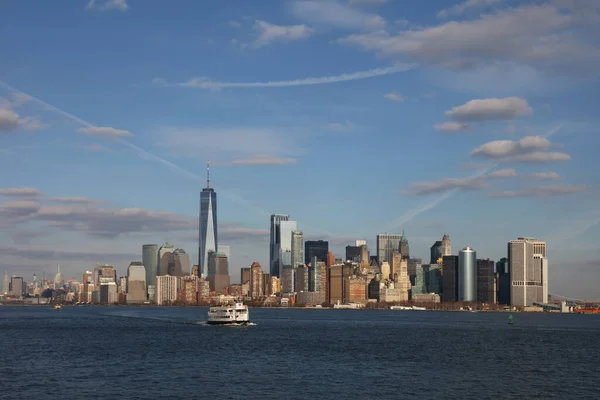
(426, 298)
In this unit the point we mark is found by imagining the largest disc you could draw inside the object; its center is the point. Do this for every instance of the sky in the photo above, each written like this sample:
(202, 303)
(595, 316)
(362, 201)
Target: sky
(477, 119)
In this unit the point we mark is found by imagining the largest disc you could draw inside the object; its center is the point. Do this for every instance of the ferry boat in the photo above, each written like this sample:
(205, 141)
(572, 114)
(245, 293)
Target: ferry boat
(236, 314)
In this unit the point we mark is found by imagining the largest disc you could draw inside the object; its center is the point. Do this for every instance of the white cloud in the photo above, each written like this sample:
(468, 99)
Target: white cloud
(545, 175)
(503, 173)
(82, 214)
(20, 192)
(541, 37)
(269, 33)
(9, 120)
(452, 127)
(206, 83)
(393, 96)
(106, 5)
(543, 191)
(447, 184)
(97, 147)
(105, 131)
(335, 14)
(471, 165)
(234, 24)
(466, 6)
(20, 98)
(491, 109)
(528, 149)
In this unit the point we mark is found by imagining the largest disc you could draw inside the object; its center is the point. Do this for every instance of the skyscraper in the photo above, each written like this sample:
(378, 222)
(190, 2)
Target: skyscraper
(403, 247)
(486, 292)
(386, 246)
(6, 283)
(218, 272)
(449, 278)
(297, 248)
(526, 268)
(274, 242)
(440, 249)
(503, 281)
(164, 255)
(179, 263)
(207, 232)
(315, 248)
(467, 275)
(285, 243)
(136, 283)
(150, 260)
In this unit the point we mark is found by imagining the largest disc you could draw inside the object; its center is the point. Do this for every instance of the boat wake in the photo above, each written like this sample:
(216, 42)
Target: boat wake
(230, 325)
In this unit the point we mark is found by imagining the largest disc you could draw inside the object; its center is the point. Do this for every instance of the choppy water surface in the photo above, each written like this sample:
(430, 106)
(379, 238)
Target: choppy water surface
(120, 352)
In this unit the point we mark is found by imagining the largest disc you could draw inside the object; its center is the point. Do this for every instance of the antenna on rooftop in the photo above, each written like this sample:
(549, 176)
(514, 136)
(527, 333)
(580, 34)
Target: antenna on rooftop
(208, 174)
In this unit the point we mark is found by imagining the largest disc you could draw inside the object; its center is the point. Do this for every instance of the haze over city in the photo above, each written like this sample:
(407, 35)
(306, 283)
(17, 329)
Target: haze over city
(354, 117)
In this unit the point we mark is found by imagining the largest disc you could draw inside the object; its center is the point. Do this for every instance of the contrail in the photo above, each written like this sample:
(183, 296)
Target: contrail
(139, 151)
(428, 205)
(205, 83)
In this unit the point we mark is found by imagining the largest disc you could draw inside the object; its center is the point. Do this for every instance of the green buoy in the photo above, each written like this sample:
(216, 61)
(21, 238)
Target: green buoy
(510, 319)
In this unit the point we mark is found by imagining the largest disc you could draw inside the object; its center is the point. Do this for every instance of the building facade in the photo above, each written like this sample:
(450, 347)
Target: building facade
(218, 272)
(486, 291)
(315, 248)
(164, 256)
(449, 279)
(467, 275)
(386, 245)
(150, 261)
(166, 289)
(297, 248)
(274, 242)
(526, 274)
(207, 226)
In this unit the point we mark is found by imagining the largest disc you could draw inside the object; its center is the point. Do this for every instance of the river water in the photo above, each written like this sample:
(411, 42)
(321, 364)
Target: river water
(146, 353)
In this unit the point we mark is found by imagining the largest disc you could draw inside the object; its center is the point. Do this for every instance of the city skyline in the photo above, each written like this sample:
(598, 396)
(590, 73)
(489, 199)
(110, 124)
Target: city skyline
(368, 124)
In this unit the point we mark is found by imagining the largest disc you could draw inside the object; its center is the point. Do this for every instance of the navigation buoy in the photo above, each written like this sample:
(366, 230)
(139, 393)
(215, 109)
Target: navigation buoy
(510, 319)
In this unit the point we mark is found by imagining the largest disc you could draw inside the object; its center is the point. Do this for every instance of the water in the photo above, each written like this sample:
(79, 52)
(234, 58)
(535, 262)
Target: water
(142, 353)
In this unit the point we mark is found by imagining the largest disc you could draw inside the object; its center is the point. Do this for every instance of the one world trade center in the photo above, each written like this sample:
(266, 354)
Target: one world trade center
(207, 238)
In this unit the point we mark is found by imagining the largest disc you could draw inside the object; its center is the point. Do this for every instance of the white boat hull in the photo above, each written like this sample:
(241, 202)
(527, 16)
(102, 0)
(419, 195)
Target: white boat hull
(236, 314)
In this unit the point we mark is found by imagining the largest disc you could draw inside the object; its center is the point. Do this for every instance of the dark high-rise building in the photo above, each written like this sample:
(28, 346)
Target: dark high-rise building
(207, 232)
(275, 242)
(435, 252)
(503, 281)
(315, 248)
(357, 253)
(450, 278)
(150, 261)
(485, 281)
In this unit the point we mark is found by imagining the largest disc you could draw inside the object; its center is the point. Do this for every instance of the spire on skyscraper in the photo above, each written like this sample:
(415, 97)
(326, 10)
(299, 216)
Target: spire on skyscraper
(208, 174)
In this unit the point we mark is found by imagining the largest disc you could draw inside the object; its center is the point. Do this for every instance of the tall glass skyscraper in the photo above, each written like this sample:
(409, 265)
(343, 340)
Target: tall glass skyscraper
(275, 242)
(150, 261)
(467, 275)
(207, 235)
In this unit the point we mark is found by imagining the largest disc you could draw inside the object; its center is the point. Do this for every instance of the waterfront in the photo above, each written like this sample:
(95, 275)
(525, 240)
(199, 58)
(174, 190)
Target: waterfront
(354, 354)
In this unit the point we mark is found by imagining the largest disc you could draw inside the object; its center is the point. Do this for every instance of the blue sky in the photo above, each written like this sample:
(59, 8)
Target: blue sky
(473, 118)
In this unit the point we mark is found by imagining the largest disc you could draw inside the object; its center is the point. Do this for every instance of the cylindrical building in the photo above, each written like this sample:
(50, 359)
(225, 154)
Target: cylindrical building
(467, 275)
(150, 261)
